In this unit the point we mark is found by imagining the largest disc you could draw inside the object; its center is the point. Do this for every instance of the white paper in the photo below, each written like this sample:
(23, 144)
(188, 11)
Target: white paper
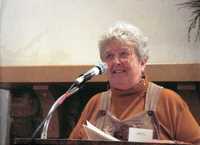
(97, 134)
(140, 134)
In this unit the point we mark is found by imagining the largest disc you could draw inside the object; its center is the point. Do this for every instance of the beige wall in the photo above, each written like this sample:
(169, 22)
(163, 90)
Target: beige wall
(65, 32)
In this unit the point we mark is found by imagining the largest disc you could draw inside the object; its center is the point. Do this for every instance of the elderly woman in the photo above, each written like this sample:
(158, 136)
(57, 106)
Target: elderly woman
(132, 101)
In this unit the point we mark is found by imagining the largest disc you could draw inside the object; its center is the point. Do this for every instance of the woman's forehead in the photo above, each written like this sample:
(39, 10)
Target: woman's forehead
(119, 44)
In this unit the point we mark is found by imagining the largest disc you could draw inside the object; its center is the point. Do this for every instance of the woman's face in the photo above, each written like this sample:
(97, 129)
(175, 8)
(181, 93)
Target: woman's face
(124, 68)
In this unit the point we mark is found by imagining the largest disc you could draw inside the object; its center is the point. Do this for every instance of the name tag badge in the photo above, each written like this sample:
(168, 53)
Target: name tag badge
(140, 134)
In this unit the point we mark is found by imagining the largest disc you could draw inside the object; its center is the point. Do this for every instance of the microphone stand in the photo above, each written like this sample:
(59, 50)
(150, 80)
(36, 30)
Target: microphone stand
(74, 88)
(99, 69)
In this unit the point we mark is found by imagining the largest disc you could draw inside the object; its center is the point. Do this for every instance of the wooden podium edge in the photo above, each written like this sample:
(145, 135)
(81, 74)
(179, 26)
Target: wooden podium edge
(37, 141)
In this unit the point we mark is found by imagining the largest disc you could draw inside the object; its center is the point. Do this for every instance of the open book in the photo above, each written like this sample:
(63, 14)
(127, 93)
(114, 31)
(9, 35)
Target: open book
(94, 133)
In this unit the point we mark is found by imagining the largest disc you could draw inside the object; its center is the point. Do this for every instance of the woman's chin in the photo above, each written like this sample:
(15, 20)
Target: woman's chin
(120, 86)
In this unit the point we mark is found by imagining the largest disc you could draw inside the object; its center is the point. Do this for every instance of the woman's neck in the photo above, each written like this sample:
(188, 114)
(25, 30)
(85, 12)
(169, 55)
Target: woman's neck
(121, 99)
(133, 91)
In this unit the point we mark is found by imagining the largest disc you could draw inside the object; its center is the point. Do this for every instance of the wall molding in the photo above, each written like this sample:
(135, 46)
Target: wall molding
(67, 73)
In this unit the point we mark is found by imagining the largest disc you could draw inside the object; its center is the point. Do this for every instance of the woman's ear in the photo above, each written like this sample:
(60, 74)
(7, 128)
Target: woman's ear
(143, 63)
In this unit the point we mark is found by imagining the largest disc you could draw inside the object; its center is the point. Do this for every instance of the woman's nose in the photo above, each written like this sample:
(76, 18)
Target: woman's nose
(116, 60)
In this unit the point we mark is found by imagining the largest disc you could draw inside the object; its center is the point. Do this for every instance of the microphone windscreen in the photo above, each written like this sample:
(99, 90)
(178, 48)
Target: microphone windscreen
(102, 67)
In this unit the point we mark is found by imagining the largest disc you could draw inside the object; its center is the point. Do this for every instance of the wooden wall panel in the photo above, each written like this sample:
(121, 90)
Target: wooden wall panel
(50, 74)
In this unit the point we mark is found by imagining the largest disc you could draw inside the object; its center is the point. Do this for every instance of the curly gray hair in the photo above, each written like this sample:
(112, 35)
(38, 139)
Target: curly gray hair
(126, 32)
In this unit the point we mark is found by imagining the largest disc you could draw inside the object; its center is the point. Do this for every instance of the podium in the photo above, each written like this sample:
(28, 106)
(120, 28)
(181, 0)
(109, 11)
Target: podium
(27, 141)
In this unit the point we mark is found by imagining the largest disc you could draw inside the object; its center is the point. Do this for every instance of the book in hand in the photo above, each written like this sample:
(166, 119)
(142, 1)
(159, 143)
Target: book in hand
(94, 133)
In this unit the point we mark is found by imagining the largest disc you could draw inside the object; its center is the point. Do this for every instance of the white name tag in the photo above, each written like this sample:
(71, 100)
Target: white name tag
(140, 134)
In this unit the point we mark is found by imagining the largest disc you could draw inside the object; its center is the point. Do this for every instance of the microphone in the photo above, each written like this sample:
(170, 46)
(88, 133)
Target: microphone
(96, 70)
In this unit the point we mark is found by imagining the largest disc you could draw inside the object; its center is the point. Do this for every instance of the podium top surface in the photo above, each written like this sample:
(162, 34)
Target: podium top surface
(28, 141)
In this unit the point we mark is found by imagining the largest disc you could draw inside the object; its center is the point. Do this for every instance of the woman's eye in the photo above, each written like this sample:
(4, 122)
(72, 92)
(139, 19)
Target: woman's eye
(124, 54)
(108, 56)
